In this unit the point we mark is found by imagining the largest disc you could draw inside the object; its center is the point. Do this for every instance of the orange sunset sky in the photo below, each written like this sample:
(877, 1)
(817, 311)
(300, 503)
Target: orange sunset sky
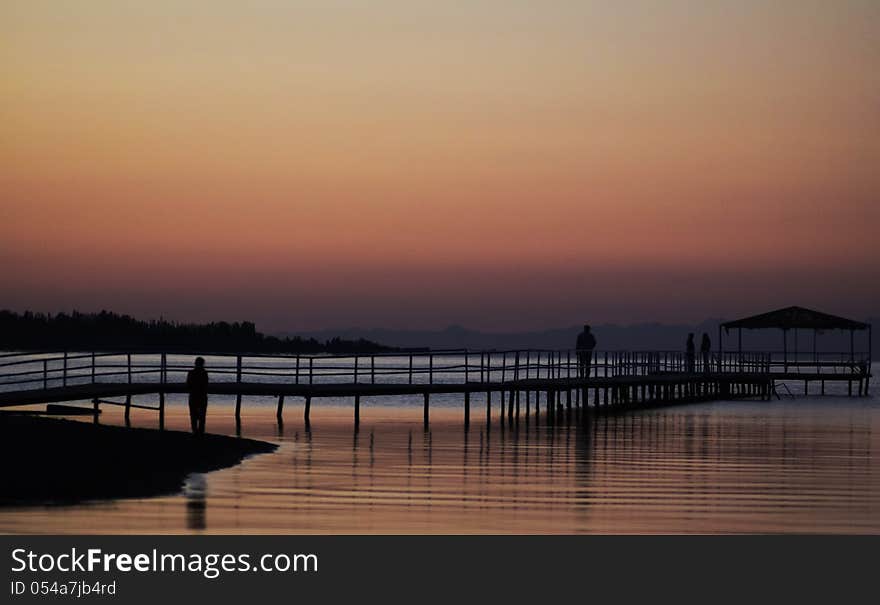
(503, 164)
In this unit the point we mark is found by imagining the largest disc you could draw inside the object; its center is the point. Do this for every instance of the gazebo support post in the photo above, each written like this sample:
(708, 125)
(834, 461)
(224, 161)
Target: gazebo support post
(785, 349)
(870, 360)
(739, 349)
(815, 356)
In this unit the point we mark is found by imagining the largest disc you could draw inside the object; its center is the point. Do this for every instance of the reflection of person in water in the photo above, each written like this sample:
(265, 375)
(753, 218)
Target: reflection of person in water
(705, 351)
(586, 342)
(196, 503)
(691, 356)
(197, 385)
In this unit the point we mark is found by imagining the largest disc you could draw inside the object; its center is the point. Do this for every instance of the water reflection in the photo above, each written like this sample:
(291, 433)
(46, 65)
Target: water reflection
(195, 491)
(798, 466)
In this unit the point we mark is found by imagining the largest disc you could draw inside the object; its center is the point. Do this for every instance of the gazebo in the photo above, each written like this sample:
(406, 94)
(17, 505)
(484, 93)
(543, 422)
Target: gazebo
(796, 318)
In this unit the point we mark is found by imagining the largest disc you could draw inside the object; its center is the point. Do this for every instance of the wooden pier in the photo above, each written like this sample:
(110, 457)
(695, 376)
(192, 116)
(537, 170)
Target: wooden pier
(512, 384)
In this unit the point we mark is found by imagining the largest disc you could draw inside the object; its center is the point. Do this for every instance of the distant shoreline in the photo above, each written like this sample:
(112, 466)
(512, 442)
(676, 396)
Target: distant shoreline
(54, 462)
(107, 331)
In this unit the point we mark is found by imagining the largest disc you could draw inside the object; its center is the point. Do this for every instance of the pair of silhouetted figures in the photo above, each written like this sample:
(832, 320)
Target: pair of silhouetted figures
(705, 353)
(197, 385)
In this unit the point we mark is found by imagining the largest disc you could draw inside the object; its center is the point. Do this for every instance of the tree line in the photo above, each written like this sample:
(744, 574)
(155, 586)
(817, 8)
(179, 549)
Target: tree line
(107, 331)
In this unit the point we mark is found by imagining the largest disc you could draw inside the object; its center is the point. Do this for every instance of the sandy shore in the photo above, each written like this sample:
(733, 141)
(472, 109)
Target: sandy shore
(51, 461)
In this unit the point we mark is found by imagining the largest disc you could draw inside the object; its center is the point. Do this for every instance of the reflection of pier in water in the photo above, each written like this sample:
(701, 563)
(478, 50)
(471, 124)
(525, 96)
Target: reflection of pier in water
(614, 464)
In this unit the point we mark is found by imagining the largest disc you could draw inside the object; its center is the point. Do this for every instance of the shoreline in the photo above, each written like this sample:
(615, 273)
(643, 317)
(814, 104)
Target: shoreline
(51, 461)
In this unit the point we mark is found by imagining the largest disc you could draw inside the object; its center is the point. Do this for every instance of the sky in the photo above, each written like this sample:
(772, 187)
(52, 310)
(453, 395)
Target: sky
(499, 164)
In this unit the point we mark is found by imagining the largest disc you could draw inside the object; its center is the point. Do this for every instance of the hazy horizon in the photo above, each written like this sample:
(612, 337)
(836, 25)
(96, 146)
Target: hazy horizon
(438, 328)
(497, 165)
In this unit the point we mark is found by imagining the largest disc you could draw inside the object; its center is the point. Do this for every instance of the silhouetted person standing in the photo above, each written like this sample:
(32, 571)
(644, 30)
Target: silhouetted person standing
(197, 385)
(586, 342)
(705, 351)
(690, 355)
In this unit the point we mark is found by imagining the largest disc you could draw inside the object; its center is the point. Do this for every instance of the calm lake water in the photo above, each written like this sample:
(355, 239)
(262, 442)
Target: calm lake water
(796, 465)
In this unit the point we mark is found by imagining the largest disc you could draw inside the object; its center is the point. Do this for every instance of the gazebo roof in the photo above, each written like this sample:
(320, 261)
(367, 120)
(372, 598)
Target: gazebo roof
(795, 317)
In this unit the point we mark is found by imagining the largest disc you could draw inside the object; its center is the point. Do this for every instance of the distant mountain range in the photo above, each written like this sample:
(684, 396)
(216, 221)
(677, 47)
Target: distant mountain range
(641, 336)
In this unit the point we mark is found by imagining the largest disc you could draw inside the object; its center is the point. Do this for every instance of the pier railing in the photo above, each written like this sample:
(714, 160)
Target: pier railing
(47, 369)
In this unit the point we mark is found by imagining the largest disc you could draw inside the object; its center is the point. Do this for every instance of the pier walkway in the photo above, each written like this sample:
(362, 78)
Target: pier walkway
(515, 382)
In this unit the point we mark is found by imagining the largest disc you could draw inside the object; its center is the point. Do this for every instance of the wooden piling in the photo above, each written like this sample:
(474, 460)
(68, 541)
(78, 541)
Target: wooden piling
(279, 413)
(425, 412)
(510, 405)
(501, 407)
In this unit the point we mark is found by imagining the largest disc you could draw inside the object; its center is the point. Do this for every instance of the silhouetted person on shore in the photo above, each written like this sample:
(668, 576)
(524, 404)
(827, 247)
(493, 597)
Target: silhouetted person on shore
(586, 342)
(690, 355)
(197, 385)
(705, 351)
